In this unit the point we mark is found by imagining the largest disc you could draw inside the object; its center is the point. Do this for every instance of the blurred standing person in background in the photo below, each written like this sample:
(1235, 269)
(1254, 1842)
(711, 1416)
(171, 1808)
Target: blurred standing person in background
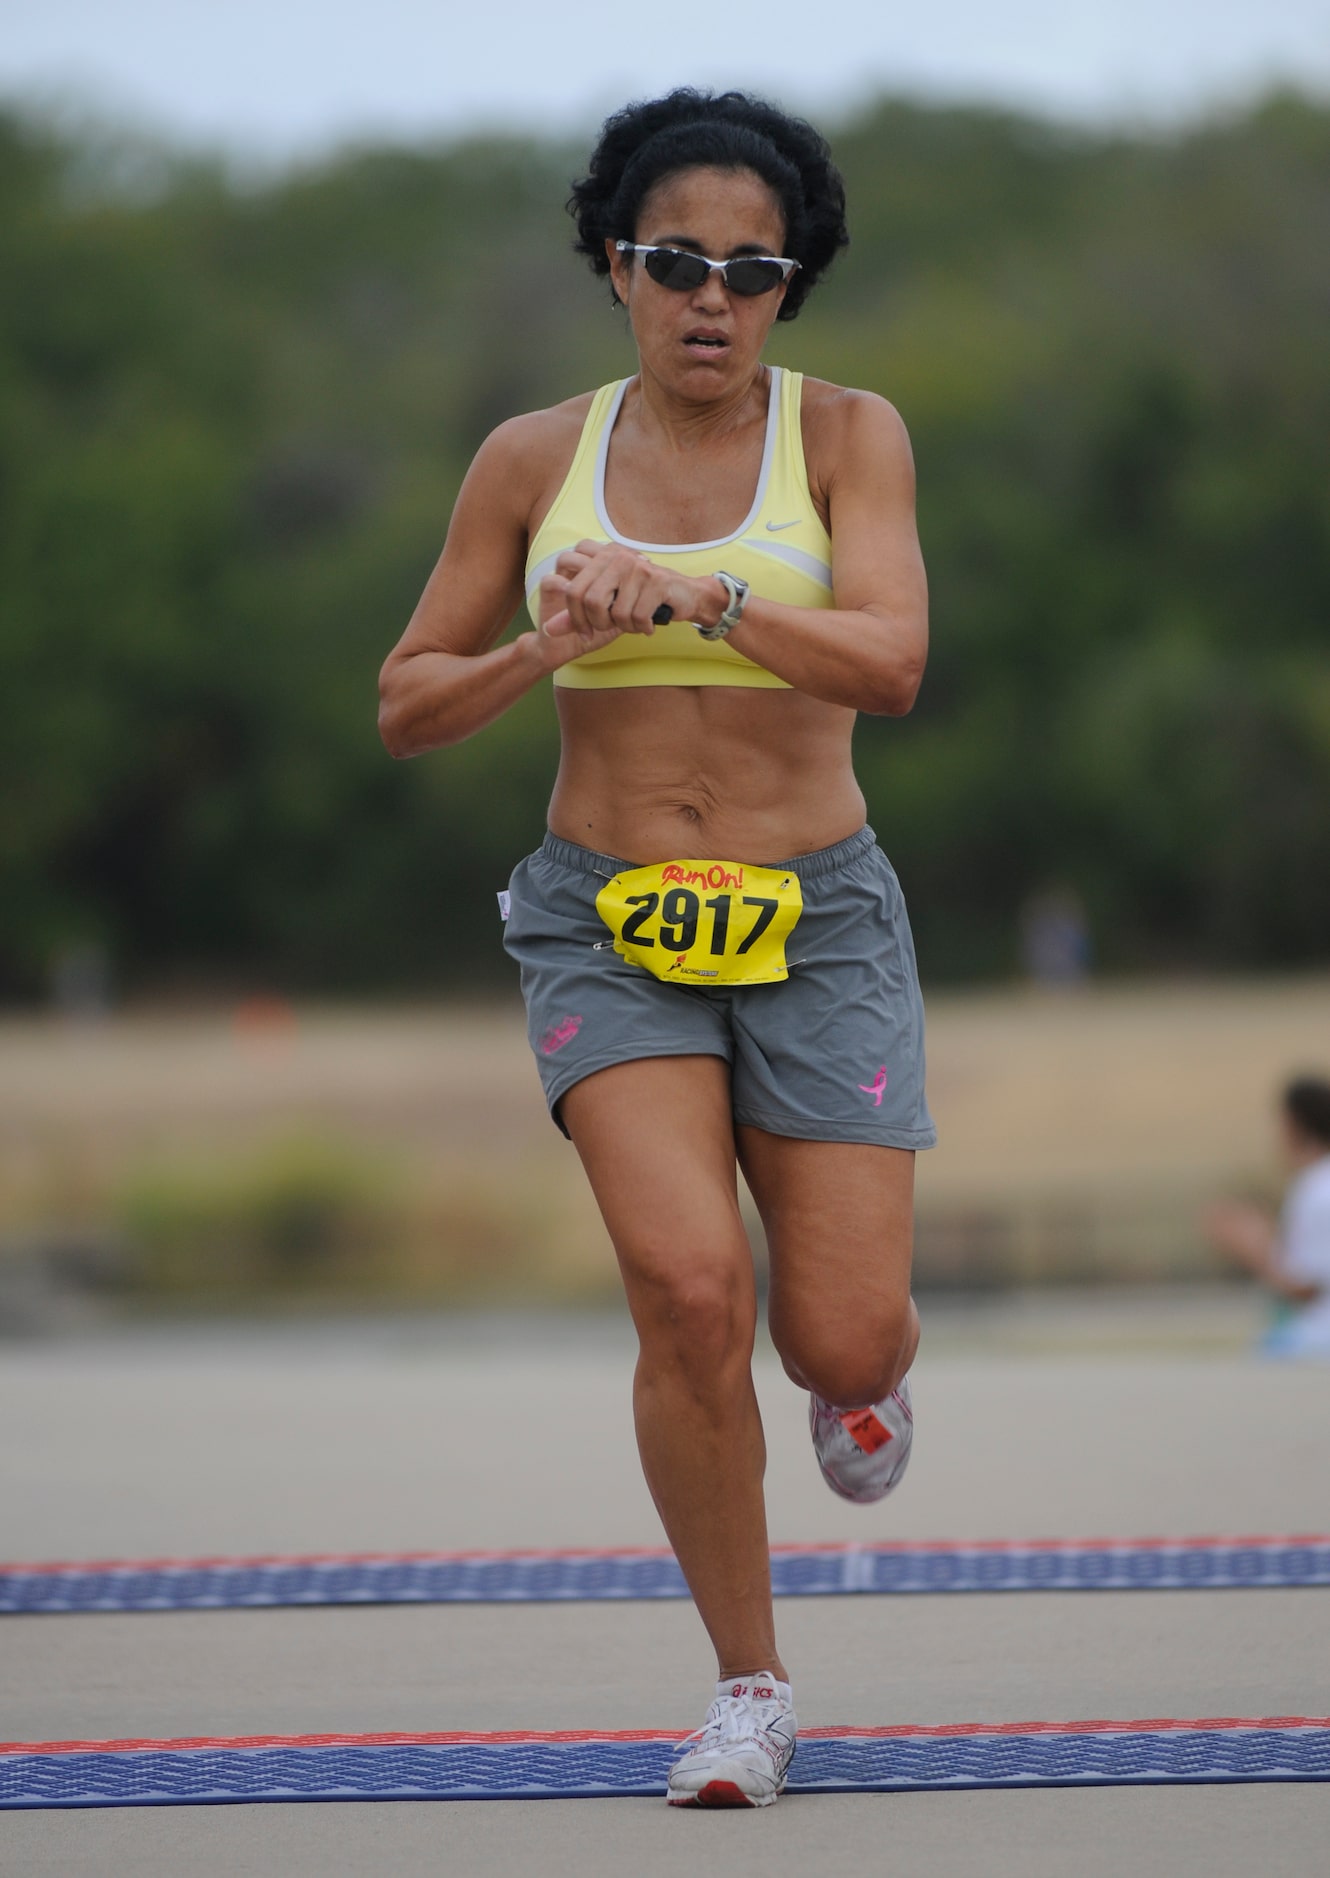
(1055, 938)
(1291, 1254)
(722, 568)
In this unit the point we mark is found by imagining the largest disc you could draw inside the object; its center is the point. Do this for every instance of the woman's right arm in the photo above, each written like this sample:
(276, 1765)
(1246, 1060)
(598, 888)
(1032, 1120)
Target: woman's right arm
(442, 681)
(446, 678)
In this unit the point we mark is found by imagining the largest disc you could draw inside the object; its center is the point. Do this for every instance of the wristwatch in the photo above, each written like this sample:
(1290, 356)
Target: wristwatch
(737, 594)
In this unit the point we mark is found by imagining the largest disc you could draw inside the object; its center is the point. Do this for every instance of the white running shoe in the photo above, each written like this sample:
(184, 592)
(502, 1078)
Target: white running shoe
(740, 1754)
(863, 1453)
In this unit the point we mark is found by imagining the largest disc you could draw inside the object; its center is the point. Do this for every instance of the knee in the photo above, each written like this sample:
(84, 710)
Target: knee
(697, 1314)
(851, 1364)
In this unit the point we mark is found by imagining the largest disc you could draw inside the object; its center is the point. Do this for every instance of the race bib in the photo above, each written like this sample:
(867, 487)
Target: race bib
(705, 923)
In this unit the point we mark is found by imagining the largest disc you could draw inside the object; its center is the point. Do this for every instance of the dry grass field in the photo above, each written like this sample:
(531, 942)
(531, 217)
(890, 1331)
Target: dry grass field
(407, 1151)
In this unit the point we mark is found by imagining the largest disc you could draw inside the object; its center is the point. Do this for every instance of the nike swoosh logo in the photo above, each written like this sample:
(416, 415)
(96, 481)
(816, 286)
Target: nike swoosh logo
(775, 527)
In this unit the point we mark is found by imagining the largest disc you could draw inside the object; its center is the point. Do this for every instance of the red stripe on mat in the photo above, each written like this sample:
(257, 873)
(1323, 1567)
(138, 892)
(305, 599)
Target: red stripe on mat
(505, 1737)
(211, 1562)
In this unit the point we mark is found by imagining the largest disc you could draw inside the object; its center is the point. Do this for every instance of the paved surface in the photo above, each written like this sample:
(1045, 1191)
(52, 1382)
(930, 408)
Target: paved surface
(424, 1434)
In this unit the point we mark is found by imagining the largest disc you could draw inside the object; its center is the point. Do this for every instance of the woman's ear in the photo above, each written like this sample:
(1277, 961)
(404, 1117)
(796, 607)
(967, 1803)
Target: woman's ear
(621, 267)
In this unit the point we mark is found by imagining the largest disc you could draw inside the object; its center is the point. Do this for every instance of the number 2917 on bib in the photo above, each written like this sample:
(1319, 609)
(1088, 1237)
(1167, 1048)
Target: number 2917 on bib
(704, 923)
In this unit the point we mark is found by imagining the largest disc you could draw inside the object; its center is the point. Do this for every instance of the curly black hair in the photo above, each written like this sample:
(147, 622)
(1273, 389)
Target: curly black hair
(729, 130)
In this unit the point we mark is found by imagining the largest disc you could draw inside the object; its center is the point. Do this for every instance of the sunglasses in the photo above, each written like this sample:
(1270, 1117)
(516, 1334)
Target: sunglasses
(681, 272)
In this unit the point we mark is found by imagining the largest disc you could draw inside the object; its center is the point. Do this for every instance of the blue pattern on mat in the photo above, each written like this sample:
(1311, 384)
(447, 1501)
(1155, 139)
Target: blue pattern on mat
(551, 1577)
(545, 1770)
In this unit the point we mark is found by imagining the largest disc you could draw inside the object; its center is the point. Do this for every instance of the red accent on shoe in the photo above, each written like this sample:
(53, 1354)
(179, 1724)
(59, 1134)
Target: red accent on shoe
(722, 1793)
(865, 1430)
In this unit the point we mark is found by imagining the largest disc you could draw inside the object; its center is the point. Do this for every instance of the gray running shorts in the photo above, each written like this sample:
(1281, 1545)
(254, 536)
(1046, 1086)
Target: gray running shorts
(835, 1052)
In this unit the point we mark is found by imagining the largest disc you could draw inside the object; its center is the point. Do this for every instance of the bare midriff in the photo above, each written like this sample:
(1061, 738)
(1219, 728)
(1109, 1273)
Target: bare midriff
(655, 773)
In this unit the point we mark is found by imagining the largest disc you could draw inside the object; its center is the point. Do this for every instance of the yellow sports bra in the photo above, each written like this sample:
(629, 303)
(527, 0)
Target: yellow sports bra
(781, 550)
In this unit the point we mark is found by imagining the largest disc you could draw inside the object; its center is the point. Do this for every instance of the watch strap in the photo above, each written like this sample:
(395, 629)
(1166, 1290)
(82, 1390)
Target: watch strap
(736, 591)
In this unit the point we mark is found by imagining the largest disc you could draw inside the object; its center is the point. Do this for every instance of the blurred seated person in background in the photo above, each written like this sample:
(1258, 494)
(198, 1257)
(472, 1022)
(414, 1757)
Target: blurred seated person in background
(1289, 1254)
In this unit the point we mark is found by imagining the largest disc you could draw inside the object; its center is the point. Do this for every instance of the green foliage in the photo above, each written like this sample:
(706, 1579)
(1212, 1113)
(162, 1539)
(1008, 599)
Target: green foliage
(312, 1214)
(299, 1213)
(233, 421)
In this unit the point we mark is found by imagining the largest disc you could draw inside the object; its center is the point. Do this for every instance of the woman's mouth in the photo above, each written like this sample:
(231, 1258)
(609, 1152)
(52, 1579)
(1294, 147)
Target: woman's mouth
(706, 342)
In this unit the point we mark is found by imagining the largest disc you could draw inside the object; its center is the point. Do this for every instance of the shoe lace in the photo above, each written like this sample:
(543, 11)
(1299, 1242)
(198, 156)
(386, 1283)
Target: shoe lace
(733, 1719)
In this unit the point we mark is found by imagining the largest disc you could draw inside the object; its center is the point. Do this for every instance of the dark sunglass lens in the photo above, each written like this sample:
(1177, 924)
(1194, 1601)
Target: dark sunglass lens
(753, 277)
(671, 267)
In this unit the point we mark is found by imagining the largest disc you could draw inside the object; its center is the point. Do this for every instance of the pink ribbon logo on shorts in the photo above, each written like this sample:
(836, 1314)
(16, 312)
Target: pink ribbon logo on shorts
(559, 1034)
(877, 1088)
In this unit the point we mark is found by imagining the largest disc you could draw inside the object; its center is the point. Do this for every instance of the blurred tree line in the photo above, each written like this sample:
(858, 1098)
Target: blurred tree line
(233, 417)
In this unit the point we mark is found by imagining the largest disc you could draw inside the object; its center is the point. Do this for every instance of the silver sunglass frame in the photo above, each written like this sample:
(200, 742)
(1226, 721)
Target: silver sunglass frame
(786, 266)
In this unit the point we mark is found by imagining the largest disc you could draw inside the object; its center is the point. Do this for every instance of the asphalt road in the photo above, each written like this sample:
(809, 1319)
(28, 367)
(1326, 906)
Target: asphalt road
(425, 1434)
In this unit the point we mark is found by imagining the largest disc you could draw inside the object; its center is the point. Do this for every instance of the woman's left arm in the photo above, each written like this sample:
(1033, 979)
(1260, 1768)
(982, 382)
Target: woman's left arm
(867, 651)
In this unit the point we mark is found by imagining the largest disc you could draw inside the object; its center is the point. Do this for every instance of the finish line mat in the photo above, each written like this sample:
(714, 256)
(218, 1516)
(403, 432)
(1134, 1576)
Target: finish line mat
(546, 1577)
(579, 1765)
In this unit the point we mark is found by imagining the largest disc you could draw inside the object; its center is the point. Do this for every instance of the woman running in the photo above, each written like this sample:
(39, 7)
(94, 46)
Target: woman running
(721, 562)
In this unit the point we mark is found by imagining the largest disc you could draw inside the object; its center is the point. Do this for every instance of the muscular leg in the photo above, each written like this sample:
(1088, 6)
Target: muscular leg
(839, 1222)
(657, 1141)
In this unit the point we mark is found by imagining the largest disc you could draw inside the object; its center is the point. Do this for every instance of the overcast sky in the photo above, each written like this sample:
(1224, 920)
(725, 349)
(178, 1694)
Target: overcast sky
(284, 77)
